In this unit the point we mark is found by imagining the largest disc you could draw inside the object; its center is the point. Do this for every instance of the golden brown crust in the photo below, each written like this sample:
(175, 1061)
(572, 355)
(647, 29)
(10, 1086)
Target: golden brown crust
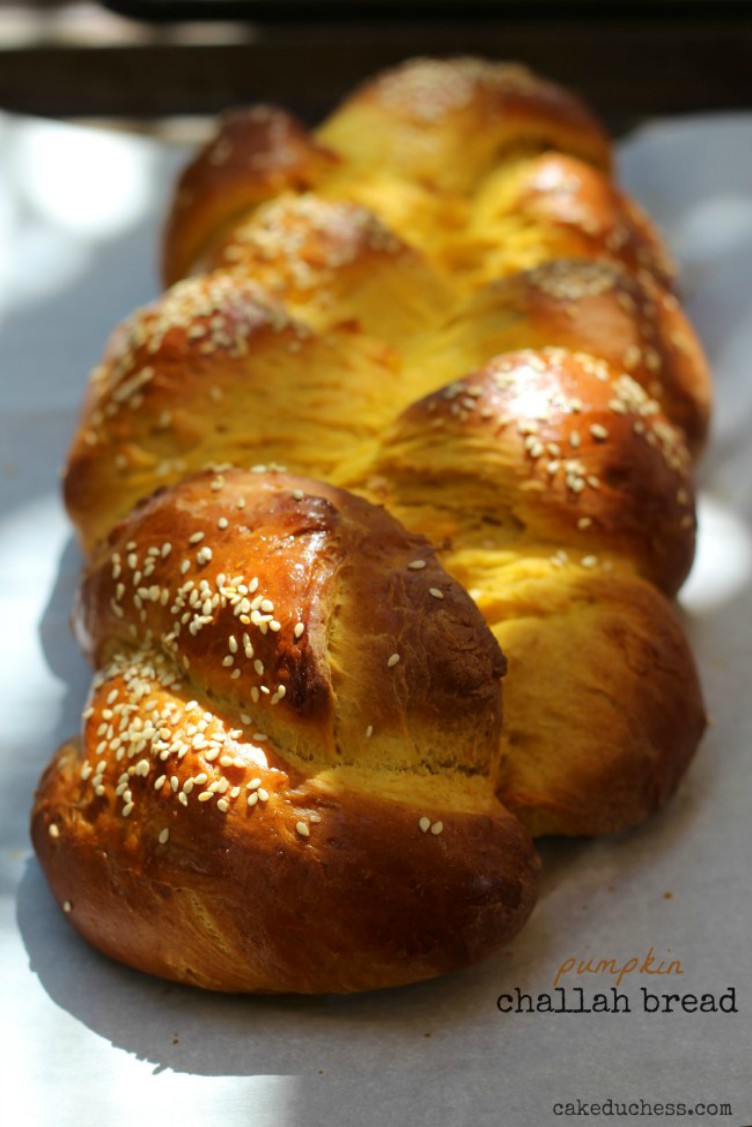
(217, 372)
(220, 371)
(243, 902)
(552, 486)
(603, 708)
(256, 154)
(547, 449)
(411, 146)
(333, 261)
(577, 211)
(180, 570)
(445, 123)
(595, 307)
(280, 702)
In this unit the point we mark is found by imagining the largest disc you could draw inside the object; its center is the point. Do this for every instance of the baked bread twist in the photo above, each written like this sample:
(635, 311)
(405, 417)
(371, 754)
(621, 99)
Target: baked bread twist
(285, 780)
(440, 301)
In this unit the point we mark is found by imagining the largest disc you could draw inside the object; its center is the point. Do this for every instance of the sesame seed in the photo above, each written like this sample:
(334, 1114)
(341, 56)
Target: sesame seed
(416, 565)
(206, 795)
(425, 824)
(252, 799)
(393, 660)
(127, 809)
(437, 594)
(263, 794)
(598, 432)
(369, 731)
(223, 805)
(302, 829)
(67, 906)
(196, 538)
(437, 827)
(299, 630)
(163, 836)
(314, 817)
(54, 831)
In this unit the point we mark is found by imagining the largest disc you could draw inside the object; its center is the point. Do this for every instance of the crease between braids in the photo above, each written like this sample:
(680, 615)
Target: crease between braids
(442, 303)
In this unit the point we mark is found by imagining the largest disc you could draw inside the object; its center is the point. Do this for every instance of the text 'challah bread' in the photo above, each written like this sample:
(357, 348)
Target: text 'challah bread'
(293, 773)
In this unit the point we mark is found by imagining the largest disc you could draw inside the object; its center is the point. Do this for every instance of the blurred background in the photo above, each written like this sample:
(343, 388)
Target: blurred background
(150, 75)
(159, 65)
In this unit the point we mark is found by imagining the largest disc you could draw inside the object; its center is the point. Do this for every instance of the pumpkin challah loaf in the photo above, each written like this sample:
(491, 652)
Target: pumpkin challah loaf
(293, 773)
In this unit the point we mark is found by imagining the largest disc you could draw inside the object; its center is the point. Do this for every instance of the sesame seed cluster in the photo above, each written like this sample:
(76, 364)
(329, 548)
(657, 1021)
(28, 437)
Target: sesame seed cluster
(148, 744)
(306, 240)
(574, 456)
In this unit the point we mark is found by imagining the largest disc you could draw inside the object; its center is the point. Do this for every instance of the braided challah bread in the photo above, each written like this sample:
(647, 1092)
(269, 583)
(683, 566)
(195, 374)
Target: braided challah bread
(440, 304)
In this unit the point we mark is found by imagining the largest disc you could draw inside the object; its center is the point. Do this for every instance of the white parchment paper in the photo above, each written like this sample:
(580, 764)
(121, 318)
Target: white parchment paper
(86, 1042)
